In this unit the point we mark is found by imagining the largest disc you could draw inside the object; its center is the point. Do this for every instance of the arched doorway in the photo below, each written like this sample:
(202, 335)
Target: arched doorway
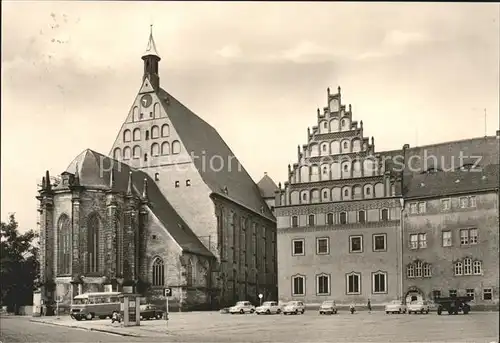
(413, 294)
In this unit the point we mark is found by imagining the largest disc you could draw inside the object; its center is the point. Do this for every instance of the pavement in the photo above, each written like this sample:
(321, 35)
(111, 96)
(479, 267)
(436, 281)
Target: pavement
(310, 327)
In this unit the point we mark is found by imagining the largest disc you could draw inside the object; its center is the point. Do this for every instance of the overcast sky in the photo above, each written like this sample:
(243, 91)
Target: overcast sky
(415, 73)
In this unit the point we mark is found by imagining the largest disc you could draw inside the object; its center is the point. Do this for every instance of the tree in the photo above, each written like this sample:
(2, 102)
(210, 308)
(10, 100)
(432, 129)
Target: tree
(18, 265)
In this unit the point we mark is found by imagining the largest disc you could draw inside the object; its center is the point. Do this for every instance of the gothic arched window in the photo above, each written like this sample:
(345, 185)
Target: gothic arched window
(158, 276)
(165, 148)
(176, 147)
(165, 130)
(93, 243)
(155, 132)
(64, 245)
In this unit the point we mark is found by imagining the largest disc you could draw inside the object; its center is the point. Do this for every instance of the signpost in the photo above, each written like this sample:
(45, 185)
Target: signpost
(260, 297)
(167, 292)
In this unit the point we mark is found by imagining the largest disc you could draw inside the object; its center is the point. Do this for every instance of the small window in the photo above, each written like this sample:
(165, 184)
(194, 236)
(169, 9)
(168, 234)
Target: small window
(447, 239)
(361, 216)
(445, 204)
(355, 243)
(422, 240)
(384, 215)
(452, 293)
(298, 247)
(329, 218)
(472, 201)
(436, 294)
(153, 237)
(379, 283)
(322, 246)
(323, 284)
(157, 176)
(145, 157)
(413, 241)
(368, 191)
(421, 207)
(477, 268)
(410, 271)
(470, 293)
(464, 202)
(353, 283)
(176, 184)
(295, 221)
(379, 242)
(427, 270)
(413, 208)
(487, 294)
(343, 218)
(459, 269)
(188, 183)
(310, 220)
(298, 285)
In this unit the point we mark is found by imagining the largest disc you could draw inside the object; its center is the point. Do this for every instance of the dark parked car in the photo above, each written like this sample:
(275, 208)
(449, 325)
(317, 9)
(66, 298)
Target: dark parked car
(151, 312)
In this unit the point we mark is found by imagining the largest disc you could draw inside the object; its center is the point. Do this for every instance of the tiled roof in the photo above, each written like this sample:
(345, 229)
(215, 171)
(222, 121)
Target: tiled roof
(442, 183)
(267, 186)
(94, 171)
(446, 155)
(201, 139)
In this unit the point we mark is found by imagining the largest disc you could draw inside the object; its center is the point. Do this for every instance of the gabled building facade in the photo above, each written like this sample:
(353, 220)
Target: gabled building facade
(338, 216)
(451, 222)
(355, 224)
(172, 207)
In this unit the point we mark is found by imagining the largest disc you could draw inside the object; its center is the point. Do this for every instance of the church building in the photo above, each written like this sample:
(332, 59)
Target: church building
(171, 206)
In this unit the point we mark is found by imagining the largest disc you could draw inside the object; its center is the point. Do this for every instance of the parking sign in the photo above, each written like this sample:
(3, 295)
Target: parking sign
(167, 292)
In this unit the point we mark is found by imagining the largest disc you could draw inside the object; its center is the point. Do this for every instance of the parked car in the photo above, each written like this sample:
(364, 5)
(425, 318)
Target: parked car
(418, 307)
(294, 307)
(395, 306)
(150, 312)
(269, 307)
(328, 307)
(242, 307)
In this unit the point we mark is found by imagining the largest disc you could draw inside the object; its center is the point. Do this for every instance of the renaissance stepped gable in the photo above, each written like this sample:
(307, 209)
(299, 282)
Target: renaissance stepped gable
(356, 224)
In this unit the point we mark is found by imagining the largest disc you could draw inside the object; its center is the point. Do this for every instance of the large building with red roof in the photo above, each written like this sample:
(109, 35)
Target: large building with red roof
(355, 224)
(171, 206)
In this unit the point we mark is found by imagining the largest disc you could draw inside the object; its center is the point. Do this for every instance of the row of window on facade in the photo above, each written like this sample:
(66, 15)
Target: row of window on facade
(334, 125)
(346, 146)
(340, 218)
(156, 113)
(470, 292)
(356, 245)
(357, 192)
(155, 150)
(337, 170)
(469, 236)
(352, 284)
(446, 204)
(156, 132)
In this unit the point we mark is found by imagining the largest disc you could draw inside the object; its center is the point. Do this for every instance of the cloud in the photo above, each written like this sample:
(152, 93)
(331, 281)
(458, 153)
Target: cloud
(394, 43)
(401, 38)
(229, 51)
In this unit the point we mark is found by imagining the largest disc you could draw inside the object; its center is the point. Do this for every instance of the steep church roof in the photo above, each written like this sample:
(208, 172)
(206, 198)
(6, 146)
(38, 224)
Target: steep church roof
(94, 171)
(267, 186)
(201, 139)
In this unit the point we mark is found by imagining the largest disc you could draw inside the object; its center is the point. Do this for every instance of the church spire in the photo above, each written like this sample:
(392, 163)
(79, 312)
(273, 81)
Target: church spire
(151, 60)
(151, 47)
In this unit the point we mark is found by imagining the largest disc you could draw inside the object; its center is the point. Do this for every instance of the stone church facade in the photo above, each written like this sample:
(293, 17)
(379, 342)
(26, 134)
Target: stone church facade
(171, 206)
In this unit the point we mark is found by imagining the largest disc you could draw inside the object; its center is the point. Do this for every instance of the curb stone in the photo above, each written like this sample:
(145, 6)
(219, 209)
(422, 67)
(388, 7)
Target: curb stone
(88, 329)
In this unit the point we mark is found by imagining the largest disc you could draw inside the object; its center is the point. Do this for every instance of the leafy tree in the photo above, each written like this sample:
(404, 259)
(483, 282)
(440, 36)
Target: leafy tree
(18, 265)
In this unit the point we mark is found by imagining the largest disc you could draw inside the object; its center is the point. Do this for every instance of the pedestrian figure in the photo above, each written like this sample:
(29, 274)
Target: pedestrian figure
(369, 305)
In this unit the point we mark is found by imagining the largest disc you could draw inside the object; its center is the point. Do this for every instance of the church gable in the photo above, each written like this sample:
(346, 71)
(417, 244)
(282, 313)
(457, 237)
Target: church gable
(148, 137)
